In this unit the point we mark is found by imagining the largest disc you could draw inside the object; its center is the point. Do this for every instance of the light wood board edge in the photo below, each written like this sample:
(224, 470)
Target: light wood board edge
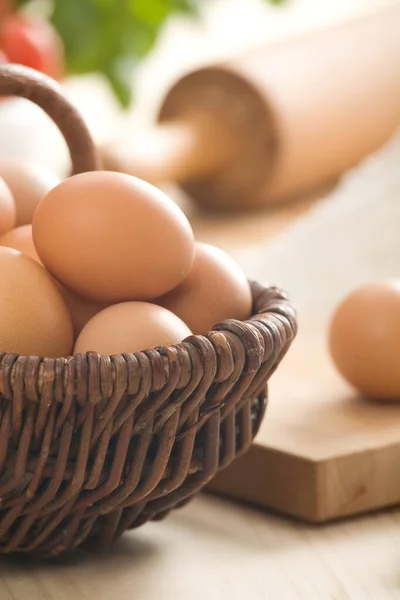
(314, 491)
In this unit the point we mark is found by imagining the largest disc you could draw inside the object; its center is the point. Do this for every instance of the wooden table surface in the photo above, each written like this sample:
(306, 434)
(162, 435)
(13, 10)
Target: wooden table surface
(216, 550)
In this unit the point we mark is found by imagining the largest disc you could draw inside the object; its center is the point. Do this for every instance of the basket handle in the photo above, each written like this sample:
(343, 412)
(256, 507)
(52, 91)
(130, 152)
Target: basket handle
(16, 80)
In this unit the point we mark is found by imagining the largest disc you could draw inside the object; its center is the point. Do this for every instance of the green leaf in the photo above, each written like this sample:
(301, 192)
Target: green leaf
(154, 12)
(112, 36)
(121, 83)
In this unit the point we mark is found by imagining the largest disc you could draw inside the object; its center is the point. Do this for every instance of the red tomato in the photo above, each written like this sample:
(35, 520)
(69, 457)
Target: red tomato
(33, 43)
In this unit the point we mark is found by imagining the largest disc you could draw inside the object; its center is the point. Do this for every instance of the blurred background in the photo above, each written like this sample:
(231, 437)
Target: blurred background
(179, 35)
(116, 60)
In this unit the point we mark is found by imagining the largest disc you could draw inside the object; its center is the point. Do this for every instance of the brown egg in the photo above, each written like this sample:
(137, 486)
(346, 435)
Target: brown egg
(365, 339)
(21, 239)
(215, 289)
(33, 316)
(28, 184)
(7, 208)
(111, 237)
(80, 309)
(130, 327)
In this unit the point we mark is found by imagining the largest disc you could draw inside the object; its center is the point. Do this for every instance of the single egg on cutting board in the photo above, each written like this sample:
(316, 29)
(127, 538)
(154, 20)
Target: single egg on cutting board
(112, 237)
(21, 239)
(130, 327)
(28, 184)
(34, 319)
(7, 208)
(215, 289)
(364, 339)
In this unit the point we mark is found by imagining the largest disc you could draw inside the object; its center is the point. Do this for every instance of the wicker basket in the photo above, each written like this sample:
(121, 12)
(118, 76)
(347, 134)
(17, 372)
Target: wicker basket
(91, 446)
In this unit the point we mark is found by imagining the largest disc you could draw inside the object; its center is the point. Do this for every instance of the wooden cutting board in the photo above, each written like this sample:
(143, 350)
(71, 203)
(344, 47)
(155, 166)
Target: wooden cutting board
(322, 452)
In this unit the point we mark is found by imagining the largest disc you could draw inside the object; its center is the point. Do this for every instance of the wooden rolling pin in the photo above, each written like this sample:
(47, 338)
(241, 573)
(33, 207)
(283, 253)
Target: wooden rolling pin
(278, 120)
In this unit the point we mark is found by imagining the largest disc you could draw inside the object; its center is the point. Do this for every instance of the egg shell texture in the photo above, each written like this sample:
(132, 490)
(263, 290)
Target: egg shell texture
(111, 237)
(33, 317)
(364, 339)
(215, 289)
(21, 239)
(7, 208)
(80, 309)
(130, 327)
(28, 184)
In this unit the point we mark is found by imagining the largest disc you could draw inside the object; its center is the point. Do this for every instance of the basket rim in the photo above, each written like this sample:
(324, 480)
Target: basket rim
(270, 303)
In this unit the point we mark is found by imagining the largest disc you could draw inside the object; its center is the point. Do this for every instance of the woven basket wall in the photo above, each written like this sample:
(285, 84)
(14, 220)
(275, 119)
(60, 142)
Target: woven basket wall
(91, 446)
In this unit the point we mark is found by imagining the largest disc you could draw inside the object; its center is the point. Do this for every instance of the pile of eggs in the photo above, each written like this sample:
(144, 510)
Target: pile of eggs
(104, 262)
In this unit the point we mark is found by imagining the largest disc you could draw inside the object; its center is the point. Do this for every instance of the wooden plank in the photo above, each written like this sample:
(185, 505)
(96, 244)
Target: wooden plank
(271, 479)
(322, 452)
(220, 550)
